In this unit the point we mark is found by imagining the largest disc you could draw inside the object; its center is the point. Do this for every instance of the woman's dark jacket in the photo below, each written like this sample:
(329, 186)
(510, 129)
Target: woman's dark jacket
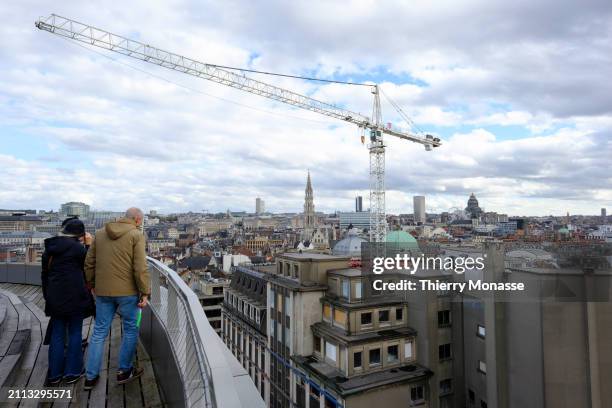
(63, 281)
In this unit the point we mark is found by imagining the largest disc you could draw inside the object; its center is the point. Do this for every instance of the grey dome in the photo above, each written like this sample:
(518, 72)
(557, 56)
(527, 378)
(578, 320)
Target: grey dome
(349, 245)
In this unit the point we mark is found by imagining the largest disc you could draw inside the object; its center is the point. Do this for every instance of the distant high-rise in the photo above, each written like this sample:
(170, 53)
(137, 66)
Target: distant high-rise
(419, 209)
(72, 208)
(260, 206)
(358, 204)
(603, 215)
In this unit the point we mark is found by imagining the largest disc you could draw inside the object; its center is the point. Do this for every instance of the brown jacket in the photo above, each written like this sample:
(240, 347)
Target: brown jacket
(116, 263)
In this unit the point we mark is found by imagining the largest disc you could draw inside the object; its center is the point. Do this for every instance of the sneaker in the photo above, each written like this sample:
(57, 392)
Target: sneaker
(125, 377)
(89, 384)
(71, 379)
(53, 382)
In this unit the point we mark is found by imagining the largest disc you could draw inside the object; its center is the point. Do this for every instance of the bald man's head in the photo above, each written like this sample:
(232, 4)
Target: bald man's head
(135, 214)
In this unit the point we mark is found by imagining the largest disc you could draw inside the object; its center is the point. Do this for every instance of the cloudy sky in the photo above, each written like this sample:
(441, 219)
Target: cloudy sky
(520, 92)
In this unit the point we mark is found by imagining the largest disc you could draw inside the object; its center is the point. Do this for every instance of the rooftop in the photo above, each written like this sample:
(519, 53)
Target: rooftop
(334, 378)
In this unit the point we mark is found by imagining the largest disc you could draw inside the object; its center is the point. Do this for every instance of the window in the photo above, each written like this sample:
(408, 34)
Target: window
(444, 318)
(358, 290)
(327, 311)
(357, 359)
(383, 316)
(446, 386)
(345, 288)
(392, 354)
(330, 350)
(340, 317)
(399, 314)
(471, 396)
(483, 404)
(482, 366)
(408, 350)
(366, 318)
(480, 331)
(444, 351)
(317, 343)
(375, 356)
(417, 393)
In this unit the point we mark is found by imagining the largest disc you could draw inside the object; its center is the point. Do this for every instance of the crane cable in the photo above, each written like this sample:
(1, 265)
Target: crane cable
(329, 123)
(400, 111)
(333, 81)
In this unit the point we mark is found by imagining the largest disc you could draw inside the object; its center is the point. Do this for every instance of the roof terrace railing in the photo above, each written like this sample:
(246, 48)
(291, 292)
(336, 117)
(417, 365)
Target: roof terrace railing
(193, 368)
(209, 374)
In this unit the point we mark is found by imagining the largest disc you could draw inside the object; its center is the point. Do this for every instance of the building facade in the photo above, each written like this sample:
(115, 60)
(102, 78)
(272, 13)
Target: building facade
(419, 209)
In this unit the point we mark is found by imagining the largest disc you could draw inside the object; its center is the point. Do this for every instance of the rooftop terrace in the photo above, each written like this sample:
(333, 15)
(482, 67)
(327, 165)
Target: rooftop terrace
(186, 363)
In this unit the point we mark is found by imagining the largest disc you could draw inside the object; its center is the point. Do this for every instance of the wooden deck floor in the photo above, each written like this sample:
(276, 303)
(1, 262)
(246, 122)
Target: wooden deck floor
(107, 393)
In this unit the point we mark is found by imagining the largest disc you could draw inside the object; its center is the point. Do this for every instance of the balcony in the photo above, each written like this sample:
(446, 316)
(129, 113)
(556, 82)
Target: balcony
(186, 363)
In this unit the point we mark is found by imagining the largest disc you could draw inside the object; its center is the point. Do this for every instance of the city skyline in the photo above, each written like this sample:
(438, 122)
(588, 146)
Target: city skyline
(78, 126)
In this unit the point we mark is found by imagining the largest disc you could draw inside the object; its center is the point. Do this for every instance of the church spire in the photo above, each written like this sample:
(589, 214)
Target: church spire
(309, 212)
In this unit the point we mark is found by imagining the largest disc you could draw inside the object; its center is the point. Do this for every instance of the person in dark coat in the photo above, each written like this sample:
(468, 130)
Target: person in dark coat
(67, 300)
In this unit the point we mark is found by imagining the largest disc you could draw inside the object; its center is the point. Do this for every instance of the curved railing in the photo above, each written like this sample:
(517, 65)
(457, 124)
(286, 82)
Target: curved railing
(192, 366)
(209, 374)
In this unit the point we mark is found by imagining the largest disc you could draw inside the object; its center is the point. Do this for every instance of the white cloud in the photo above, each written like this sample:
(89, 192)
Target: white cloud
(102, 132)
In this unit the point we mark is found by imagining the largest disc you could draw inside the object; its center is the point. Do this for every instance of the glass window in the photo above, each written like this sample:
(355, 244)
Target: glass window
(392, 354)
(357, 359)
(317, 343)
(383, 316)
(327, 311)
(483, 404)
(444, 318)
(399, 314)
(482, 366)
(345, 288)
(417, 393)
(444, 351)
(408, 350)
(446, 386)
(375, 356)
(366, 318)
(480, 331)
(340, 317)
(330, 350)
(471, 396)
(358, 290)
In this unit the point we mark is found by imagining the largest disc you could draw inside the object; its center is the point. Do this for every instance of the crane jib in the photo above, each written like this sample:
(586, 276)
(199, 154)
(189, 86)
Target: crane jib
(90, 35)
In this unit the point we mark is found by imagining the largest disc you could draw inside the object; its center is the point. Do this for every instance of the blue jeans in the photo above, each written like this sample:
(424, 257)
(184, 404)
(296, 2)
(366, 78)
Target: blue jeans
(69, 361)
(106, 306)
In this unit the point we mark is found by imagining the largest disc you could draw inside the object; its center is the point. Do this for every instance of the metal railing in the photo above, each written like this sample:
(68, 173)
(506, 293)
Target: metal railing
(209, 375)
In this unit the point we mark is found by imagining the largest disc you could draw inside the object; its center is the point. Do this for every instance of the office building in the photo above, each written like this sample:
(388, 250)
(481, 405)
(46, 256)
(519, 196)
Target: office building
(359, 220)
(19, 222)
(419, 209)
(260, 206)
(73, 208)
(210, 292)
(358, 204)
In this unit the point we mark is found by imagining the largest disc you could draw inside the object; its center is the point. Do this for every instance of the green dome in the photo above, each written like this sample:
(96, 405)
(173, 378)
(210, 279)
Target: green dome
(563, 231)
(402, 241)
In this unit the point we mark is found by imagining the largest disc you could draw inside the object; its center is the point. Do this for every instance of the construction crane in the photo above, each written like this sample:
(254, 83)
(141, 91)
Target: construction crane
(90, 35)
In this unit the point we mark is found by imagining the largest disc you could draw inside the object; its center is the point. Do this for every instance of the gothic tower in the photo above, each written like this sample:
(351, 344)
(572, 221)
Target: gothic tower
(309, 212)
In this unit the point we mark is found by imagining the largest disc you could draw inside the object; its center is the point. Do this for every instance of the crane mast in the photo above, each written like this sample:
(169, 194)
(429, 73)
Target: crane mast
(90, 35)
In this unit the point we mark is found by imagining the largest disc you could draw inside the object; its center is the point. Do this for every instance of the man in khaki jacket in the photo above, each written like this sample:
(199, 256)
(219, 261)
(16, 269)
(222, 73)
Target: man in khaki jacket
(116, 270)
